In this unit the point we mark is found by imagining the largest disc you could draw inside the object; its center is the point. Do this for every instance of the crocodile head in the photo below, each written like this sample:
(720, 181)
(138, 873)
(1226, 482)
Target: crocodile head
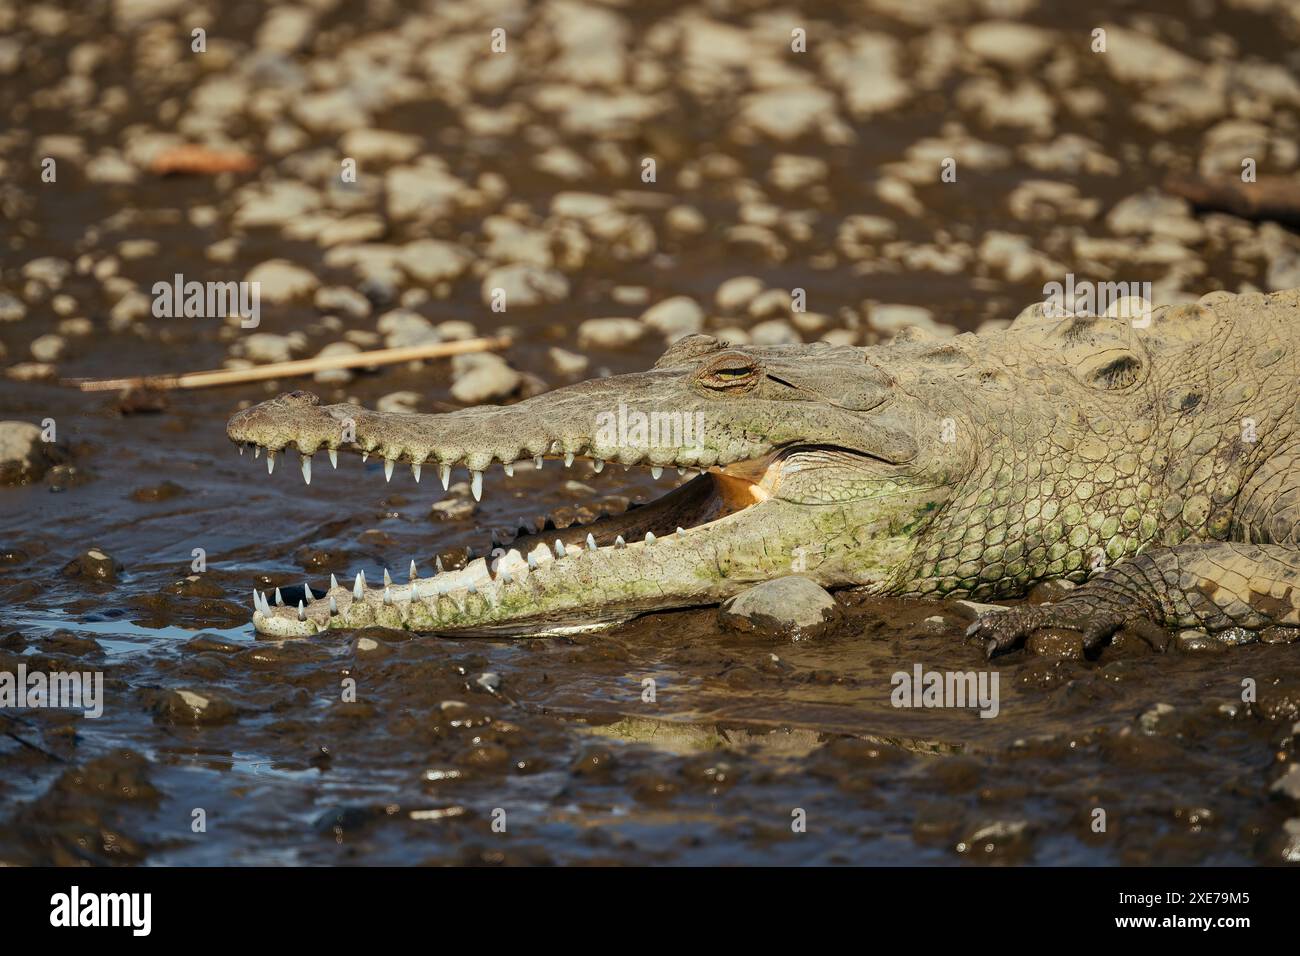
(807, 459)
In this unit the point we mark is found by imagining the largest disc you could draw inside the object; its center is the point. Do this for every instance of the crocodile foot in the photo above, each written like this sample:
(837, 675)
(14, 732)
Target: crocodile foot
(1007, 630)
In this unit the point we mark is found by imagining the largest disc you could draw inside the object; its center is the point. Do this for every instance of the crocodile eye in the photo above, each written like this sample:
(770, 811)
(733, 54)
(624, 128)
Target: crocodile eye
(730, 371)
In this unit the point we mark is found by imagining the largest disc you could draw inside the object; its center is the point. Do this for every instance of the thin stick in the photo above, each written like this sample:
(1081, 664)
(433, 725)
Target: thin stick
(228, 376)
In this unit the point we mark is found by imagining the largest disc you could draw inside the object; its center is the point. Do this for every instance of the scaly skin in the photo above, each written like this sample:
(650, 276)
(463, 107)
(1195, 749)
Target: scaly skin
(1158, 464)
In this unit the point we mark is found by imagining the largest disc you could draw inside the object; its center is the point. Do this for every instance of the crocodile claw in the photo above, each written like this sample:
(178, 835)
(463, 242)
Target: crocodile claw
(1006, 630)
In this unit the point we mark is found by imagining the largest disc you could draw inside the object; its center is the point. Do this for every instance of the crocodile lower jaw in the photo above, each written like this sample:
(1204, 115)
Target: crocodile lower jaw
(528, 584)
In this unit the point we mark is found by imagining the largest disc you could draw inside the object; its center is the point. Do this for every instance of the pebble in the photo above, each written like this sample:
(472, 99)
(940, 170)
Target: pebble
(282, 281)
(675, 317)
(482, 377)
(566, 363)
(609, 333)
(791, 607)
(48, 348)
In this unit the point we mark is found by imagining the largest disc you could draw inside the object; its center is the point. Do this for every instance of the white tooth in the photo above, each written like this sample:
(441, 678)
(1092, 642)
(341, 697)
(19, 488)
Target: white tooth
(363, 578)
(257, 601)
(444, 475)
(388, 596)
(415, 471)
(568, 459)
(302, 615)
(257, 451)
(414, 575)
(619, 542)
(358, 587)
(388, 581)
(334, 457)
(649, 537)
(509, 468)
(334, 582)
(334, 607)
(591, 542)
(388, 469)
(505, 577)
(306, 590)
(559, 548)
(270, 462)
(656, 472)
(241, 451)
(437, 565)
(537, 462)
(476, 485)
(365, 456)
(532, 563)
(681, 472)
(473, 588)
(681, 530)
(279, 601)
(306, 469)
(597, 466)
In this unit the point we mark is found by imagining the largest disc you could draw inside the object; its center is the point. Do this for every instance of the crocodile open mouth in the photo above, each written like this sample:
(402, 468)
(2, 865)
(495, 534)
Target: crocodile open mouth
(525, 580)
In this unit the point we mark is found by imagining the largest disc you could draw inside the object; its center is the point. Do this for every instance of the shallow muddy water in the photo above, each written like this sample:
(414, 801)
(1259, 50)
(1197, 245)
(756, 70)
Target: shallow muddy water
(380, 747)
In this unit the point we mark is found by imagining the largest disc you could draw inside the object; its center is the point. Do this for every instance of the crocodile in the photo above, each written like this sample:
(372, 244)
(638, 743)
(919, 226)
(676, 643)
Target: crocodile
(1154, 464)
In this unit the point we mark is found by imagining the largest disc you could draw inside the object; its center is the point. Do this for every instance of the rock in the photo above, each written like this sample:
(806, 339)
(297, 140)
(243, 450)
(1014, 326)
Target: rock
(331, 111)
(405, 401)
(282, 281)
(402, 328)
(675, 317)
(94, 565)
(274, 204)
(736, 293)
(482, 377)
(1048, 592)
(336, 376)
(11, 308)
(609, 333)
(566, 363)
(974, 610)
(30, 372)
(432, 261)
(892, 319)
(1150, 721)
(774, 332)
(1288, 785)
(789, 112)
(48, 348)
(193, 707)
(1016, 46)
(791, 607)
(1136, 58)
(1155, 213)
(342, 300)
(456, 330)
(525, 286)
(22, 453)
(267, 347)
(379, 146)
(426, 190)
